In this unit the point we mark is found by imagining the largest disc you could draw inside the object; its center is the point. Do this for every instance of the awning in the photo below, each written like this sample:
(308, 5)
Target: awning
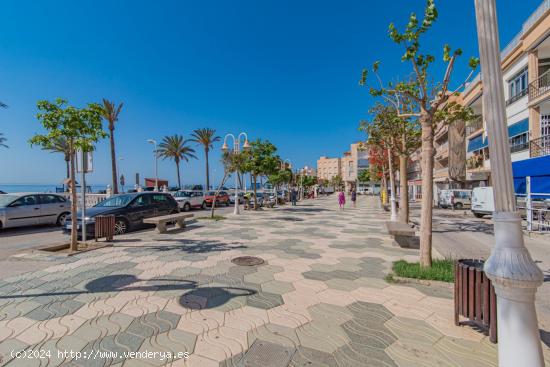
(536, 168)
(476, 143)
(518, 128)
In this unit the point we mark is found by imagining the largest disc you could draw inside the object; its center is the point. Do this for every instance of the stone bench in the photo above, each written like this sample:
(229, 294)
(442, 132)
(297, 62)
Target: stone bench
(403, 234)
(162, 221)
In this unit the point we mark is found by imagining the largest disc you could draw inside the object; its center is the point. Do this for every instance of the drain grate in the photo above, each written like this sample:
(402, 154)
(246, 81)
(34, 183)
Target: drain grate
(247, 261)
(267, 354)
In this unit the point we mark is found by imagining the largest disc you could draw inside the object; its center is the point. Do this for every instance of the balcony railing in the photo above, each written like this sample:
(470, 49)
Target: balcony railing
(517, 97)
(539, 86)
(540, 147)
(519, 147)
(474, 126)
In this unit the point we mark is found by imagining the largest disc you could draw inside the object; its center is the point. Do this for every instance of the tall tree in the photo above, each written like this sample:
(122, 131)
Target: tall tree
(110, 113)
(402, 136)
(80, 127)
(175, 147)
(432, 99)
(205, 137)
(61, 145)
(262, 161)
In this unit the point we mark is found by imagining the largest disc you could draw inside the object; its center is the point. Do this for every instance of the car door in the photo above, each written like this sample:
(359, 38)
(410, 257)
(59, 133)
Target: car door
(139, 209)
(50, 208)
(198, 198)
(161, 205)
(24, 211)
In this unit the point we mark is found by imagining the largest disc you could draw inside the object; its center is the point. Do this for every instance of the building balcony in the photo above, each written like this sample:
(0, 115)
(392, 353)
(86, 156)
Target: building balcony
(442, 152)
(474, 126)
(539, 89)
(539, 147)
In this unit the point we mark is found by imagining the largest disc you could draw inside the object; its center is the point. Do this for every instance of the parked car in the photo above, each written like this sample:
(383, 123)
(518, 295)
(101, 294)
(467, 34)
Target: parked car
(455, 198)
(221, 199)
(27, 209)
(189, 199)
(259, 198)
(240, 195)
(482, 201)
(129, 211)
(2, 192)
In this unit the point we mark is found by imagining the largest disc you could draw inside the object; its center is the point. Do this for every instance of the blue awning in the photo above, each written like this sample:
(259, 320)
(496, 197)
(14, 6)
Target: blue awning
(476, 143)
(518, 128)
(539, 171)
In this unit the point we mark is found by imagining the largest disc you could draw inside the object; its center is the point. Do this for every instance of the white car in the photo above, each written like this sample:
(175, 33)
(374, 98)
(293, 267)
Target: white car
(27, 209)
(483, 202)
(189, 199)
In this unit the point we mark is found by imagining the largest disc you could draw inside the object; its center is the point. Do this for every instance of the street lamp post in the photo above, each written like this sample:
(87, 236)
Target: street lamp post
(236, 149)
(119, 170)
(510, 267)
(393, 217)
(154, 142)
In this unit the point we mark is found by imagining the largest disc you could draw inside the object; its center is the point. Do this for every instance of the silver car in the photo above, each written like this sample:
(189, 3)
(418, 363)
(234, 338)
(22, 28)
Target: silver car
(27, 209)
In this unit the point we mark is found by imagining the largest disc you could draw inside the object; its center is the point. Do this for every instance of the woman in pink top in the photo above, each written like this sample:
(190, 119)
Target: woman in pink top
(341, 199)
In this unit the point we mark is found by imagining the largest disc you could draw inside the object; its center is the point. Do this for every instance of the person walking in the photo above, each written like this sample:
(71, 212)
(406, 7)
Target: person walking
(341, 199)
(354, 197)
(293, 196)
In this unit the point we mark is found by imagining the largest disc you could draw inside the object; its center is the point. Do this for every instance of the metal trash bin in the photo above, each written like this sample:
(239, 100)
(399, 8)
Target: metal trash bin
(105, 227)
(475, 297)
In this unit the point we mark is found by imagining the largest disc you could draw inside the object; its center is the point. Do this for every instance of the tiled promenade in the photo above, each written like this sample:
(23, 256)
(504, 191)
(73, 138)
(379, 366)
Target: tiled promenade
(320, 299)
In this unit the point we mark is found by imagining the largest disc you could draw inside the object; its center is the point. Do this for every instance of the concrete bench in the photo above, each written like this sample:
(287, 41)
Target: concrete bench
(163, 220)
(403, 234)
(399, 229)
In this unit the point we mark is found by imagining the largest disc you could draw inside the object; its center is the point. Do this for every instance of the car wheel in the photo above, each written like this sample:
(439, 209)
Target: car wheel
(62, 219)
(203, 206)
(478, 215)
(186, 207)
(121, 226)
(458, 206)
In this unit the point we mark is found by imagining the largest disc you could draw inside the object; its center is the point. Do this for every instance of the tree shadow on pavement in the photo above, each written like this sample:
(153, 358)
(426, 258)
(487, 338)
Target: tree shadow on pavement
(210, 297)
(191, 246)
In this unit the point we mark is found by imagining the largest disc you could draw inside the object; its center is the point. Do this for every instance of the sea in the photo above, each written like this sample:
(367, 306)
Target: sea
(11, 188)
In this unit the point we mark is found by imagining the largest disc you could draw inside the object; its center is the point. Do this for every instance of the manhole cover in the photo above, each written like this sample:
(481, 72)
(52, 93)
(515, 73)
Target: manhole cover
(247, 261)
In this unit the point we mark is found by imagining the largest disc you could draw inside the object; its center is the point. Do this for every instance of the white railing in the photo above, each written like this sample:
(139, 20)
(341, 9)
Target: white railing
(91, 199)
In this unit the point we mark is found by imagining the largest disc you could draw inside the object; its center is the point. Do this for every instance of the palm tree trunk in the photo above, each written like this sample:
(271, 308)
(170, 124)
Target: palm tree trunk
(404, 195)
(113, 161)
(427, 191)
(178, 170)
(207, 170)
(74, 219)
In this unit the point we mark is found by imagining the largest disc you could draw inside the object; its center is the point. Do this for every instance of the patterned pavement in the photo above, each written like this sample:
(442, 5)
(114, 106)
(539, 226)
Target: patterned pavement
(319, 300)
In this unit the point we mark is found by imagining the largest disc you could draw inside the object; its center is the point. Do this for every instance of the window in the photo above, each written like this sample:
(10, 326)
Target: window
(517, 86)
(142, 200)
(25, 200)
(51, 199)
(160, 199)
(519, 142)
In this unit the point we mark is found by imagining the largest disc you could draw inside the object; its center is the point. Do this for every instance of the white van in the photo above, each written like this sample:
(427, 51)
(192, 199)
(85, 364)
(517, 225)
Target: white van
(483, 202)
(455, 198)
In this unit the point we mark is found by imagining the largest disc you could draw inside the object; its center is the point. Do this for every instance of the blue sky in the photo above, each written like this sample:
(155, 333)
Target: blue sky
(281, 70)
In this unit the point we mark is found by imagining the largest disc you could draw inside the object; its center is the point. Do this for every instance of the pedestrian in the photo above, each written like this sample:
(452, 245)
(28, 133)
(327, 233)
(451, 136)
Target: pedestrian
(354, 197)
(341, 199)
(293, 196)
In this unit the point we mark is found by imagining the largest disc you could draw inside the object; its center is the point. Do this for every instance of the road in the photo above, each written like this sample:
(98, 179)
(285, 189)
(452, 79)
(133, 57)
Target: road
(17, 240)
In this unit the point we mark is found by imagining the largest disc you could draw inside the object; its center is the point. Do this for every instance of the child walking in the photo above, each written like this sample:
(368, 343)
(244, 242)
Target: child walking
(341, 199)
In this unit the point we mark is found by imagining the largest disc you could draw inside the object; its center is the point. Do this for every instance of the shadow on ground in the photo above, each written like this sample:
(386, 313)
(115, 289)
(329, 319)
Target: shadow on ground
(191, 246)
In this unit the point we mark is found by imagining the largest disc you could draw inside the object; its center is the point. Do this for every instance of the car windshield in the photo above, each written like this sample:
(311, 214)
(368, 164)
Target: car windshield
(211, 193)
(116, 201)
(181, 194)
(6, 199)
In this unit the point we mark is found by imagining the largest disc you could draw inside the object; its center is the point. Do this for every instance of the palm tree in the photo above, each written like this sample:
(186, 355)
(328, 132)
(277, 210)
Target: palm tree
(3, 141)
(205, 137)
(110, 113)
(175, 147)
(60, 145)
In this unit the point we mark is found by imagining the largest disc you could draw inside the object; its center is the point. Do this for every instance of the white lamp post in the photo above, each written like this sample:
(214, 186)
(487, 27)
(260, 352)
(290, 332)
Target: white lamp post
(154, 142)
(510, 267)
(236, 149)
